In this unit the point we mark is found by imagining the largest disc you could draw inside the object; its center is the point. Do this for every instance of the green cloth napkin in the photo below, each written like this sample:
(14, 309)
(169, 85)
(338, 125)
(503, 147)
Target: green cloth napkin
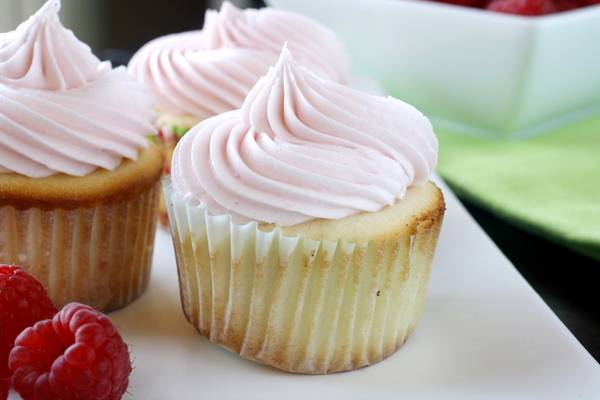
(548, 185)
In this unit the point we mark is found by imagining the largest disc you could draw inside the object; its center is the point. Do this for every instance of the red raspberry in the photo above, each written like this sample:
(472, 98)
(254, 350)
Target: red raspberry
(4, 389)
(78, 354)
(585, 3)
(23, 302)
(466, 3)
(522, 7)
(566, 5)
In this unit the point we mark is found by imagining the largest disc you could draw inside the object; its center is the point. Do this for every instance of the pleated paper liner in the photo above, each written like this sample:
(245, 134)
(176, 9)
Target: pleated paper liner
(99, 256)
(300, 305)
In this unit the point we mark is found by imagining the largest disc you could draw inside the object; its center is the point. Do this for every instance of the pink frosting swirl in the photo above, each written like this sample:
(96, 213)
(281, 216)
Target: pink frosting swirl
(42, 54)
(61, 109)
(210, 71)
(302, 147)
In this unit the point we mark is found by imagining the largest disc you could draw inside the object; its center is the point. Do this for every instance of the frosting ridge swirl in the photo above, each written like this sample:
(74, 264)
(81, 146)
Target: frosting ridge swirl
(42, 54)
(301, 148)
(210, 71)
(61, 109)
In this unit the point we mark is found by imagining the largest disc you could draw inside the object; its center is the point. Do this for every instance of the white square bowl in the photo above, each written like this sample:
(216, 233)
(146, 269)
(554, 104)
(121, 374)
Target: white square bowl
(472, 71)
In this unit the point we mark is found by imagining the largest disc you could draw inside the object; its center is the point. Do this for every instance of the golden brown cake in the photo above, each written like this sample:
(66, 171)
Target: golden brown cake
(79, 176)
(305, 223)
(87, 239)
(334, 305)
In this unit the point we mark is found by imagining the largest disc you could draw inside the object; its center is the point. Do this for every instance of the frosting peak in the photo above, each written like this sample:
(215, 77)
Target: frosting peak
(302, 148)
(219, 27)
(61, 109)
(42, 54)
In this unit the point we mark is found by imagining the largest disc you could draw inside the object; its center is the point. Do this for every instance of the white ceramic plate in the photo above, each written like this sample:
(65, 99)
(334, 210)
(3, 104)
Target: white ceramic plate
(485, 334)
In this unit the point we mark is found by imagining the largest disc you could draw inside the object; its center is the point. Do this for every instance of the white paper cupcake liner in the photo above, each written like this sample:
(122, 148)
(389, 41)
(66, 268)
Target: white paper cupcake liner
(299, 305)
(98, 256)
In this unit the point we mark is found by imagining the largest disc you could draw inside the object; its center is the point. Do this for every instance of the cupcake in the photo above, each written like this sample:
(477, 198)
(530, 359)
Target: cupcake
(305, 223)
(79, 177)
(198, 74)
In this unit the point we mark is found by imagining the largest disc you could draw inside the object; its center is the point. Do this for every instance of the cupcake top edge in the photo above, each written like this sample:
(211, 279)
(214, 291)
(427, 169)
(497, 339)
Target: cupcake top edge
(62, 109)
(302, 147)
(209, 71)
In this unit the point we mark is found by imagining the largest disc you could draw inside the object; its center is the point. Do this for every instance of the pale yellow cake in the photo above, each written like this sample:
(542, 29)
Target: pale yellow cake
(336, 295)
(87, 239)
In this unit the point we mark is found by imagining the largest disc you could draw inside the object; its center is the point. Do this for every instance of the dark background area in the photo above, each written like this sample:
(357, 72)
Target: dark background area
(133, 23)
(567, 281)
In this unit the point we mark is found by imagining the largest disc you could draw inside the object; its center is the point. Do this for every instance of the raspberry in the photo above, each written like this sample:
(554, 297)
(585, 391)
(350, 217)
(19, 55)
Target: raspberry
(78, 354)
(4, 389)
(566, 5)
(585, 3)
(23, 302)
(466, 3)
(522, 7)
